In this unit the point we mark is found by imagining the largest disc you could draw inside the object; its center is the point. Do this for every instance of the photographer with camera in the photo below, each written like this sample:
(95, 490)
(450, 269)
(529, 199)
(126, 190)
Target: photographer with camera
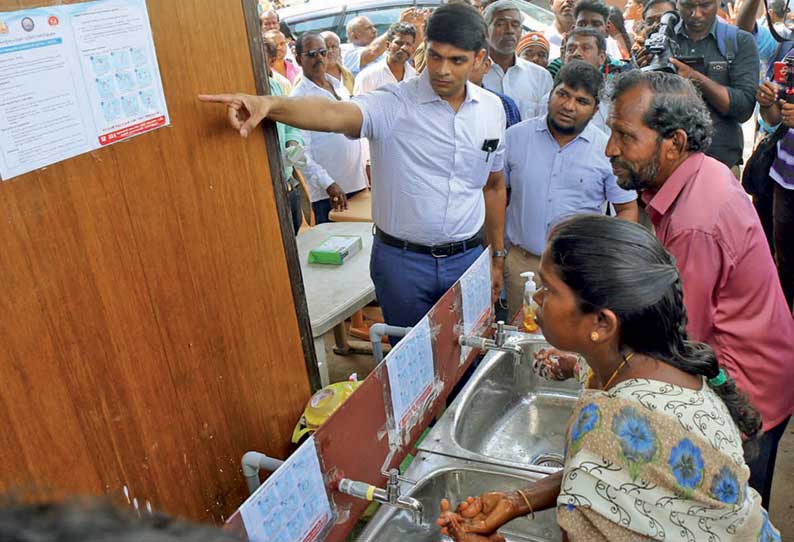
(726, 75)
(722, 62)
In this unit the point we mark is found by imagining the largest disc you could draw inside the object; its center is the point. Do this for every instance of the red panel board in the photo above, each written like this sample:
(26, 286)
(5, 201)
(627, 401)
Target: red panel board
(353, 443)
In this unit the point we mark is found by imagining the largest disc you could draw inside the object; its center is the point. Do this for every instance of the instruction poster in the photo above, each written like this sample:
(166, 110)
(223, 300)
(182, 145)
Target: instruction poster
(74, 78)
(292, 505)
(475, 289)
(411, 373)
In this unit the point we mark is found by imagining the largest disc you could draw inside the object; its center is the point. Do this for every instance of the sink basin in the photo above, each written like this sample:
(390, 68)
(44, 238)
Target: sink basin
(507, 415)
(443, 477)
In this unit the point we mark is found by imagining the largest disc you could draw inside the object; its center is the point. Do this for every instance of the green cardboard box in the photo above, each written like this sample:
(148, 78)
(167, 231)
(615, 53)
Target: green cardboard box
(336, 249)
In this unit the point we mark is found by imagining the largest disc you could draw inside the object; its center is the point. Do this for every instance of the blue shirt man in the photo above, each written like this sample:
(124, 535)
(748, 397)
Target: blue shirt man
(555, 167)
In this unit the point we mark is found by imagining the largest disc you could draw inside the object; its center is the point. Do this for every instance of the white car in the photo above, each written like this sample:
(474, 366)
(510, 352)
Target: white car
(321, 15)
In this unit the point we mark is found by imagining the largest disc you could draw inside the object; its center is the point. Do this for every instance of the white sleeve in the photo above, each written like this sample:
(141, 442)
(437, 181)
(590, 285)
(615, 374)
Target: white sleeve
(380, 108)
(315, 174)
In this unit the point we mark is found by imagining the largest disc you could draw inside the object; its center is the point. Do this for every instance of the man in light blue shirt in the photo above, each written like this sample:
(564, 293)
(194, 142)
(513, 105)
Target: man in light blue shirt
(364, 45)
(437, 149)
(556, 167)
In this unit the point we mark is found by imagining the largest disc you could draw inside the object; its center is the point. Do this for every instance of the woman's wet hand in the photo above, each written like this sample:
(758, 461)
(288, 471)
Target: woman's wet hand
(481, 515)
(553, 364)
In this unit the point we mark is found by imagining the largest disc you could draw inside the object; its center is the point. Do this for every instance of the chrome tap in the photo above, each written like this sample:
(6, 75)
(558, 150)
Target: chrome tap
(389, 496)
(497, 343)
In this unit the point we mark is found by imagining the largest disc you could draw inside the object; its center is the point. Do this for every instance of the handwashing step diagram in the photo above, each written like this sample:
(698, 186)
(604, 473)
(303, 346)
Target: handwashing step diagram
(74, 78)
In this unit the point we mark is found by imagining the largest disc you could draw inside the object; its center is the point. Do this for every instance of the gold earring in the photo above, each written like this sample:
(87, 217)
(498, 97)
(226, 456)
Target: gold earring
(594, 336)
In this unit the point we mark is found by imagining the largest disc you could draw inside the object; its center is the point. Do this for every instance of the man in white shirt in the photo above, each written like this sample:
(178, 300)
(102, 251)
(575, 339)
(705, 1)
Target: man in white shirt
(334, 166)
(563, 22)
(364, 45)
(525, 82)
(437, 157)
(565, 173)
(401, 38)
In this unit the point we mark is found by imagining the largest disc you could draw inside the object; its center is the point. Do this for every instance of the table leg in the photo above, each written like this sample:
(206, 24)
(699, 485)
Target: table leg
(322, 360)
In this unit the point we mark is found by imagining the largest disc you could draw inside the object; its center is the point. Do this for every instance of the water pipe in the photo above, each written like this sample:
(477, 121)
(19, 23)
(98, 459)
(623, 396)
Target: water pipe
(378, 331)
(252, 463)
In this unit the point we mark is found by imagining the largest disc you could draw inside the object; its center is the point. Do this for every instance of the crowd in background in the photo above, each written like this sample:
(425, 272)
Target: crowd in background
(471, 130)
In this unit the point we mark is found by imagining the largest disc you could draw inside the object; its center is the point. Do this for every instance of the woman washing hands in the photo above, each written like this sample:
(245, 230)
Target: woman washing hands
(654, 443)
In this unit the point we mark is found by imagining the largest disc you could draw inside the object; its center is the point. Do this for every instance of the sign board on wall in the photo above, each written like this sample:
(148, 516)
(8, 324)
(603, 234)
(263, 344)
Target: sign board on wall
(74, 78)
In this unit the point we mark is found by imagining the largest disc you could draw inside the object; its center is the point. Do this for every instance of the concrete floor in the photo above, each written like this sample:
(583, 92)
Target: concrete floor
(781, 512)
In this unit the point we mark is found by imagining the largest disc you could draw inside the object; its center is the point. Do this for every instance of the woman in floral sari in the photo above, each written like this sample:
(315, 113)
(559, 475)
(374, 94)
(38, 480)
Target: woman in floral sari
(654, 444)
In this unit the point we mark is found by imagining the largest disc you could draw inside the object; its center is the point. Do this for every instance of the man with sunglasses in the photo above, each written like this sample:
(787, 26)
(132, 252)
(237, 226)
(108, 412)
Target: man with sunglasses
(334, 166)
(396, 68)
(436, 141)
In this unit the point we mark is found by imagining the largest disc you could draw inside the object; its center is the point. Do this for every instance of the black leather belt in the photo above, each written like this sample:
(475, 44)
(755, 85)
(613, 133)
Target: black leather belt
(437, 251)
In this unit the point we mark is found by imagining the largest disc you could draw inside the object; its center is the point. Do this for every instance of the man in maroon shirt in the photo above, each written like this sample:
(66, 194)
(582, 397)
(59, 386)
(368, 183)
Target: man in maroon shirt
(660, 129)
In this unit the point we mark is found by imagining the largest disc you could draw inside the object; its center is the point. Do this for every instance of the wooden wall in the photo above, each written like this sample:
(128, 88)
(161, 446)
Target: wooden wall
(148, 332)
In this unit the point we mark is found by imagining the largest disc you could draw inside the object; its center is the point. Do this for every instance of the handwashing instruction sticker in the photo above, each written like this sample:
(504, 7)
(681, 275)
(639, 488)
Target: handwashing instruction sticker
(475, 289)
(411, 373)
(292, 505)
(74, 78)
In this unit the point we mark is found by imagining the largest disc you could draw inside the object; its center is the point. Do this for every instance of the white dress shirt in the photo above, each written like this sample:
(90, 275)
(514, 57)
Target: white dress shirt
(428, 163)
(525, 82)
(551, 183)
(351, 57)
(555, 41)
(613, 50)
(378, 74)
(330, 158)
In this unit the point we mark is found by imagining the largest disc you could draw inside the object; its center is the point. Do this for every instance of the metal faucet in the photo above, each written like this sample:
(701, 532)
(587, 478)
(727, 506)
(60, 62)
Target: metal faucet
(389, 496)
(497, 343)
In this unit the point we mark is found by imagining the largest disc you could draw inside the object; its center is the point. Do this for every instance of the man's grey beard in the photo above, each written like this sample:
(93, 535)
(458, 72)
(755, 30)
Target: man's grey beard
(642, 179)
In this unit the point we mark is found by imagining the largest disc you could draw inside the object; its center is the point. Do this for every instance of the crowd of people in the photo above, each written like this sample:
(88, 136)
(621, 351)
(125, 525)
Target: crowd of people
(471, 131)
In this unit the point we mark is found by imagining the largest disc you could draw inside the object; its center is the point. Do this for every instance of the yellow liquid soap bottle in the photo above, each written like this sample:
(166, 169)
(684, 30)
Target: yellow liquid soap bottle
(529, 304)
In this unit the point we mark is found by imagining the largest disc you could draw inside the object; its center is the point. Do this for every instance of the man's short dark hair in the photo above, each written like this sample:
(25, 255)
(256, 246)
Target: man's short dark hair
(579, 75)
(304, 37)
(593, 6)
(650, 3)
(459, 25)
(601, 41)
(676, 104)
(94, 521)
(405, 29)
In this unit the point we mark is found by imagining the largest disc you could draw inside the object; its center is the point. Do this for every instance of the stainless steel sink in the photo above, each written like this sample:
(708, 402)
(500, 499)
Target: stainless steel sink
(437, 477)
(507, 415)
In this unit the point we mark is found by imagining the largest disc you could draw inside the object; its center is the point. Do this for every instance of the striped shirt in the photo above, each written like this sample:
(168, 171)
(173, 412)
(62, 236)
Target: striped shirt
(782, 170)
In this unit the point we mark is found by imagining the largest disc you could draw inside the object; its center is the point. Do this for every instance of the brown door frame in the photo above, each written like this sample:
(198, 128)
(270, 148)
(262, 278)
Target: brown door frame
(279, 189)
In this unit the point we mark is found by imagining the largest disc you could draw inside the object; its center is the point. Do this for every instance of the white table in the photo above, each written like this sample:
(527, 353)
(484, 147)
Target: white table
(334, 293)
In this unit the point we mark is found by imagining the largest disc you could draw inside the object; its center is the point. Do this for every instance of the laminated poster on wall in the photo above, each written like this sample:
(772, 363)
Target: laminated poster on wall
(292, 505)
(475, 290)
(411, 375)
(75, 78)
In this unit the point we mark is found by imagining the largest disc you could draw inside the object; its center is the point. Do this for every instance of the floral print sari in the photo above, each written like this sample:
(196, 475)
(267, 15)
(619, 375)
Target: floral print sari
(648, 460)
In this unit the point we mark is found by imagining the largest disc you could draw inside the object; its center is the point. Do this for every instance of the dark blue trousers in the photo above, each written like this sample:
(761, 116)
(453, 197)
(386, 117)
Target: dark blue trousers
(408, 284)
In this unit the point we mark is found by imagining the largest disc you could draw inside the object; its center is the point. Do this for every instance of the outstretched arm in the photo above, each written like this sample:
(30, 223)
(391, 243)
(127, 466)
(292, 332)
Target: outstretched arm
(245, 112)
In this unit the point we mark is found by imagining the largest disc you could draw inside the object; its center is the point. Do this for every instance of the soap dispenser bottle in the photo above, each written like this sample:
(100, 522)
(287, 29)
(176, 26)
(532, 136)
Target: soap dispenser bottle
(530, 307)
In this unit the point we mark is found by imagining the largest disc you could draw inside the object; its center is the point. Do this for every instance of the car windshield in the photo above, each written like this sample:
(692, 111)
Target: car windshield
(316, 16)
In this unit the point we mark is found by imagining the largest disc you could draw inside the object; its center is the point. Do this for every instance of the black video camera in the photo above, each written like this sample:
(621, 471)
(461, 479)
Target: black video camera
(662, 45)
